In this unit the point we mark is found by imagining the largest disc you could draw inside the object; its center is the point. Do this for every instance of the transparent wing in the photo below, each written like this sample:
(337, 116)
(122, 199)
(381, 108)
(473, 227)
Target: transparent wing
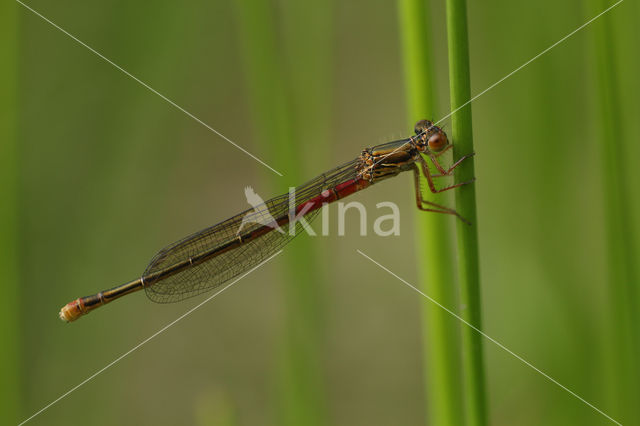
(215, 271)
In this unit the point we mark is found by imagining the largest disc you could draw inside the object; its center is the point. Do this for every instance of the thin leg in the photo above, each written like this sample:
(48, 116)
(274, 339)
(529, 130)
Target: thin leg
(432, 187)
(443, 151)
(446, 212)
(438, 208)
(434, 159)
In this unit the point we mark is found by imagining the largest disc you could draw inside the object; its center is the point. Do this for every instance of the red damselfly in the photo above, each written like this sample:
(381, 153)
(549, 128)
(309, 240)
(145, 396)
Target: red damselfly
(213, 256)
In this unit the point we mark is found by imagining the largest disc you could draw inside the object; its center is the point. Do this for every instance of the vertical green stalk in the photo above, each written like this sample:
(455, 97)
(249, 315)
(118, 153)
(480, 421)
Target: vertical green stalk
(434, 236)
(307, 45)
(469, 274)
(621, 255)
(266, 85)
(10, 389)
(300, 389)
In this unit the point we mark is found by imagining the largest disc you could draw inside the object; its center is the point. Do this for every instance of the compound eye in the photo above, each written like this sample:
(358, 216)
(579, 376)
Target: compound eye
(422, 125)
(438, 142)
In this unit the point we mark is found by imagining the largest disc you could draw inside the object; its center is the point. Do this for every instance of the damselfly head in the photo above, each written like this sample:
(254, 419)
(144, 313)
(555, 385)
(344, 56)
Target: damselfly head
(423, 126)
(430, 136)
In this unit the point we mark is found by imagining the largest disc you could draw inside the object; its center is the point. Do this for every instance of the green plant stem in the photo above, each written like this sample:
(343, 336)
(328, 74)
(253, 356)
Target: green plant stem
(621, 254)
(434, 236)
(307, 46)
(10, 389)
(468, 268)
(300, 388)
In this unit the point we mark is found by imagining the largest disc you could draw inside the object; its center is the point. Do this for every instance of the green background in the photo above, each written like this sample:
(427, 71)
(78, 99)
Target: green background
(100, 173)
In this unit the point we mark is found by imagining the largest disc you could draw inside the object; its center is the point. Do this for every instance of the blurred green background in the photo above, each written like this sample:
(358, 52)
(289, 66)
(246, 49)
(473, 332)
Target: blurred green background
(106, 173)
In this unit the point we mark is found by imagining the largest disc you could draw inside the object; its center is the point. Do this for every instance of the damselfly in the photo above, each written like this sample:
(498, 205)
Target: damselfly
(213, 256)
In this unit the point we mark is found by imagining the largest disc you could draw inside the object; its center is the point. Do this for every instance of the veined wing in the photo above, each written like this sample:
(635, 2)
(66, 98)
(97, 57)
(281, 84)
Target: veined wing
(200, 277)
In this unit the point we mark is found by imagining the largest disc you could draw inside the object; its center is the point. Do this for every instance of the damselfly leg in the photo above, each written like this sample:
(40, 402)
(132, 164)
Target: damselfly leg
(433, 207)
(427, 173)
(436, 163)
